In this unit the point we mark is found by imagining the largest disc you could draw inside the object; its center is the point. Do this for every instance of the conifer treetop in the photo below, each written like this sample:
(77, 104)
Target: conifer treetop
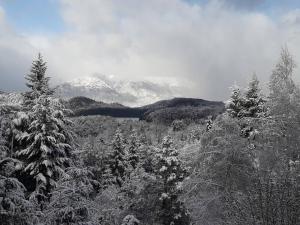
(37, 81)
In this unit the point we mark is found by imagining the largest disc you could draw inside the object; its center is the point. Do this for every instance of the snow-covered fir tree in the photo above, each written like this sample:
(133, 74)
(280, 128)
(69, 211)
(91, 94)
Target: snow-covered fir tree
(235, 103)
(44, 143)
(117, 160)
(37, 82)
(47, 149)
(253, 103)
(171, 172)
(133, 149)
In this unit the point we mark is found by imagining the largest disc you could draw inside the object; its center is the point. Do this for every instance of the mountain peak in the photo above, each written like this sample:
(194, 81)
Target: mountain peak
(109, 89)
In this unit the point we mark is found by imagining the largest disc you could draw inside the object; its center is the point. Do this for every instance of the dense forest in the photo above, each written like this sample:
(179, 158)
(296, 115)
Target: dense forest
(241, 167)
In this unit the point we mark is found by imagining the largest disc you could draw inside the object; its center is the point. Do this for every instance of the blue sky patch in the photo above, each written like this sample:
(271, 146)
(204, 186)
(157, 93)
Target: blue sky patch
(37, 16)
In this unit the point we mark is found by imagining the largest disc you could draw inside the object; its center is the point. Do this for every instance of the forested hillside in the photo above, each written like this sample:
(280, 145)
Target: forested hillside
(164, 112)
(238, 166)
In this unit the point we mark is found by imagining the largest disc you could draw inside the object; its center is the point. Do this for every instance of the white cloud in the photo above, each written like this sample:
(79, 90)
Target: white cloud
(204, 48)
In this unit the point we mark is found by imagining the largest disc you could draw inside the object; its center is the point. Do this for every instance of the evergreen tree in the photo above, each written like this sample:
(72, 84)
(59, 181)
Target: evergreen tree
(38, 85)
(37, 82)
(235, 103)
(171, 172)
(44, 143)
(117, 159)
(47, 151)
(133, 154)
(253, 104)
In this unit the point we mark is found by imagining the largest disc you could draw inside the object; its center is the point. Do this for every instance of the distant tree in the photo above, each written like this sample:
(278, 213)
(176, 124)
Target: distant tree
(133, 149)
(171, 172)
(117, 160)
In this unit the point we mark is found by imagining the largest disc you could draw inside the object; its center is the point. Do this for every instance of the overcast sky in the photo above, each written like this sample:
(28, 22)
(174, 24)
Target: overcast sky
(202, 45)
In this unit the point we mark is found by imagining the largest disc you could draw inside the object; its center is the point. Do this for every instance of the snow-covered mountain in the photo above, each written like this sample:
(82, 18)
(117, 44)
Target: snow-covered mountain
(108, 89)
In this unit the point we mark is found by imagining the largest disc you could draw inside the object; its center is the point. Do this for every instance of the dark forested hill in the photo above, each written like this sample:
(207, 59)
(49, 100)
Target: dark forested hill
(164, 111)
(182, 102)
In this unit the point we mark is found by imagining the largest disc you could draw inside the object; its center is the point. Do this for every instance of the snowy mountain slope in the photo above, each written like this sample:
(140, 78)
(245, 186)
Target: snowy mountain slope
(109, 89)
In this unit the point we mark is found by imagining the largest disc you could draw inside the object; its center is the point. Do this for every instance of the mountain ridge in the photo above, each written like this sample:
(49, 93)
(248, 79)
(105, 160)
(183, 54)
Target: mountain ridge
(109, 89)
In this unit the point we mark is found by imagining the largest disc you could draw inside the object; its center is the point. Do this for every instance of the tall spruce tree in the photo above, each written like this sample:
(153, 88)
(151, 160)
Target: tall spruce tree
(37, 82)
(117, 160)
(45, 144)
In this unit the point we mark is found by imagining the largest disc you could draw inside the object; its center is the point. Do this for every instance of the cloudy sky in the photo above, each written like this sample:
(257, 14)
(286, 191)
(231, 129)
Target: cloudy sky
(203, 46)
